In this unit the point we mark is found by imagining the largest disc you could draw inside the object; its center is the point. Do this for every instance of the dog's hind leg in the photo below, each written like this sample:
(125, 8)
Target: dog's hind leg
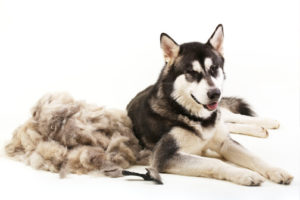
(230, 117)
(247, 129)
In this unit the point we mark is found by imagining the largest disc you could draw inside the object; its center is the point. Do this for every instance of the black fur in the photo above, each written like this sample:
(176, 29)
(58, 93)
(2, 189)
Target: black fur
(198, 51)
(164, 151)
(237, 106)
(205, 122)
(154, 112)
(244, 109)
(148, 125)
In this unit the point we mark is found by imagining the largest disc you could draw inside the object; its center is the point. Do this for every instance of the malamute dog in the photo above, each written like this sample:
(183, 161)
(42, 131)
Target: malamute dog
(176, 122)
(183, 115)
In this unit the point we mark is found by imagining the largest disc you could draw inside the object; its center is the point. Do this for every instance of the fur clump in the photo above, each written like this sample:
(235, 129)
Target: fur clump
(64, 135)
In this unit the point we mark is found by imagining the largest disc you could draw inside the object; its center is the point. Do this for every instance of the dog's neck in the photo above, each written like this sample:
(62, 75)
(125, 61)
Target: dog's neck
(204, 121)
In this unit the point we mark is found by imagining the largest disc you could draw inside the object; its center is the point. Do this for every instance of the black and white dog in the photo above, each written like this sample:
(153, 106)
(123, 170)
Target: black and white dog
(183, 115)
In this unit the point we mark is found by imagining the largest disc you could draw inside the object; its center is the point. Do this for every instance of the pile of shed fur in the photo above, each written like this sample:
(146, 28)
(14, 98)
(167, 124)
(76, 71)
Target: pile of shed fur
(64, 135)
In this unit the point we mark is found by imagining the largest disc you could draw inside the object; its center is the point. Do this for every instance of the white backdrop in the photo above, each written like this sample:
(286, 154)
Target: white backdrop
(105, 52)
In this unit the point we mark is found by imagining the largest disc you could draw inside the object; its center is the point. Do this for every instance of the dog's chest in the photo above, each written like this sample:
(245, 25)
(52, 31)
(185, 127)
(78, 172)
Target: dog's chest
(192, 142)
(204, 133)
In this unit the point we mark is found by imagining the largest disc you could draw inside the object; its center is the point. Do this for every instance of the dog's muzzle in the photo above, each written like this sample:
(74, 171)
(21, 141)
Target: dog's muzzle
(211, 106)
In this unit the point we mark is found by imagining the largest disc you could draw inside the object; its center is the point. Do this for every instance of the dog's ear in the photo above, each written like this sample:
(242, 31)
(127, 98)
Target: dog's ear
(169, 47)
(216, 39)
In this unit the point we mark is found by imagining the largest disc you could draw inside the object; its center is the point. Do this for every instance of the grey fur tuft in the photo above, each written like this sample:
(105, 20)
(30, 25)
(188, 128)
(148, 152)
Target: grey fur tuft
(237, 105)
(68, 136)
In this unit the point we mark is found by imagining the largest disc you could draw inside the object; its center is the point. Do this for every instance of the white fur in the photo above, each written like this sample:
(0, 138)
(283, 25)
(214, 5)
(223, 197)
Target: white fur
(207, 63)
(196, 66)
(247, 129)
(199, 90)
(193, 165)
(183, 90)
(243, 119)
(182, 94)
(187, 140)
(219, 81)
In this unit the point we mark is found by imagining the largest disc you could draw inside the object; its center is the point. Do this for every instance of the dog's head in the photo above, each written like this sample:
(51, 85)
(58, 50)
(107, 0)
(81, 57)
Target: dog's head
(193, 75)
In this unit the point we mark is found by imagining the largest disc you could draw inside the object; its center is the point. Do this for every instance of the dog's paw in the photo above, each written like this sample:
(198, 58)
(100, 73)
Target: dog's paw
(248, 178)
(270, 123)
(258, 131)
(154, 175)
(280, 176)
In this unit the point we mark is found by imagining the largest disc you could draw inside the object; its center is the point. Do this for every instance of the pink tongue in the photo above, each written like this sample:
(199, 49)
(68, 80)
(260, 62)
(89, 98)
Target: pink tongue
(212, 106)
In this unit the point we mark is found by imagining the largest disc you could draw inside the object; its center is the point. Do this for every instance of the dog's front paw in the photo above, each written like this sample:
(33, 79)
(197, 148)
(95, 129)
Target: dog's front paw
(270, 123)
(248, 178)
(280, 176)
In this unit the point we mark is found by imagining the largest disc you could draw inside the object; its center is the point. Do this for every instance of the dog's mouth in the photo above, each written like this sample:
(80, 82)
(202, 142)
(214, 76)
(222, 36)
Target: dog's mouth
(211, 106)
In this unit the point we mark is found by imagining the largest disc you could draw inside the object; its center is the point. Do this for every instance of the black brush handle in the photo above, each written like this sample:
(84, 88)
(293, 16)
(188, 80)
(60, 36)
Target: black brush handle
(146, 176)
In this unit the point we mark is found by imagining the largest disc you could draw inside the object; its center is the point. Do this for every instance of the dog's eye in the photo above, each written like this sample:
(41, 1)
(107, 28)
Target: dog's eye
(192, 75)
(214, 70)
(189, 71)
(214, 67)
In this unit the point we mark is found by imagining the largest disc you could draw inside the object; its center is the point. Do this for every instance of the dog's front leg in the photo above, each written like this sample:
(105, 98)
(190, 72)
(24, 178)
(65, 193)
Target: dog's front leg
(247, 129)
(266, 123)
(193, 165)
(169, 158)
(236, 153)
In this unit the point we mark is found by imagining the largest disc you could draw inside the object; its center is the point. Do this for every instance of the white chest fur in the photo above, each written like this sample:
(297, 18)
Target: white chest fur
(189, 141)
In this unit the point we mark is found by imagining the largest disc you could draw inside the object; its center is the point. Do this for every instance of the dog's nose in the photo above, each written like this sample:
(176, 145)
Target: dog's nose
(214, 94)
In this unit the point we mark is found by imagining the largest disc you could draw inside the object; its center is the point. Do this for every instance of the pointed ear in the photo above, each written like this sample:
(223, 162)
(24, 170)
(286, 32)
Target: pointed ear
(216, 40)
(169, 47)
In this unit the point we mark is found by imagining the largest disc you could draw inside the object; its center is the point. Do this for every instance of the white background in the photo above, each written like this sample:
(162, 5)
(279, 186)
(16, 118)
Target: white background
(105, 52)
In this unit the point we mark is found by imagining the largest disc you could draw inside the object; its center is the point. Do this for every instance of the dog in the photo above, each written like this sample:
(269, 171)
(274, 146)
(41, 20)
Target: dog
(183, 115)
(176, 126)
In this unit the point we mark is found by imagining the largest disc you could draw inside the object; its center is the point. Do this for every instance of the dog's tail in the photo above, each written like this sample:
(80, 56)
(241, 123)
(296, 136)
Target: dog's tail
(237, 105)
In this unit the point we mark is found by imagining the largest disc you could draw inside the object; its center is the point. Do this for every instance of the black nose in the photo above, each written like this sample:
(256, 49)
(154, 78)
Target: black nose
(214, 94)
